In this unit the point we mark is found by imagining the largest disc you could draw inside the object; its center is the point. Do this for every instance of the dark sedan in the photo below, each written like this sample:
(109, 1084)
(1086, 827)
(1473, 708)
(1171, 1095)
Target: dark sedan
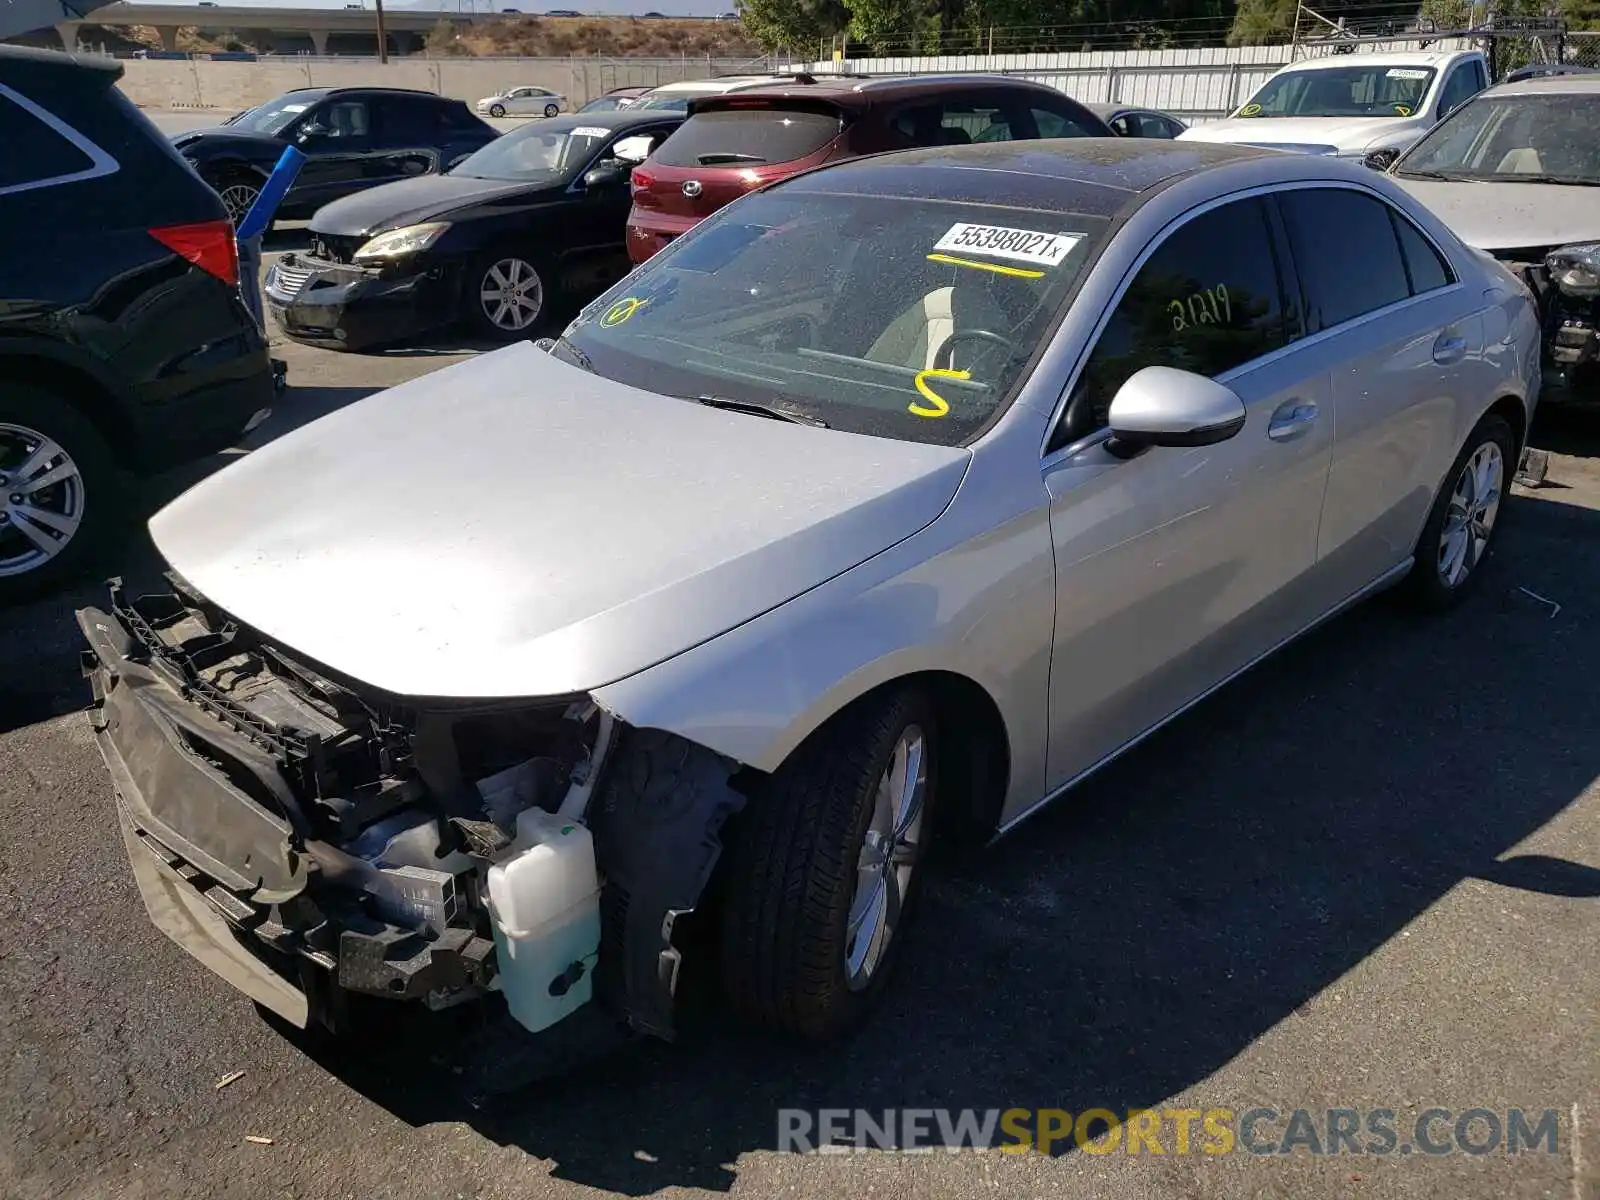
(353, 139)
(540, 210)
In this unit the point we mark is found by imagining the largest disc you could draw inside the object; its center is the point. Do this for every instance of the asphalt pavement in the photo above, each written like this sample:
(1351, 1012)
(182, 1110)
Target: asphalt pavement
(1365, 875)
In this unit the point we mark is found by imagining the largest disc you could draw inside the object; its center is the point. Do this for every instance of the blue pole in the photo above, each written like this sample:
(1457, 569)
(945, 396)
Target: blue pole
(272, 193)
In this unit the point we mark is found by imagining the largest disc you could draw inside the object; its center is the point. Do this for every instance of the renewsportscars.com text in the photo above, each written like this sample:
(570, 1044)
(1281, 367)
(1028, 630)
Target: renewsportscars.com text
(1265, 1132)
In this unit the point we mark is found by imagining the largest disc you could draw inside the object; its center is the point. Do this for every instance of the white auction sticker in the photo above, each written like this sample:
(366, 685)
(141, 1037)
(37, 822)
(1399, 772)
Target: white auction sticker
(1407, 73)
(590, 131)
(1023, 245)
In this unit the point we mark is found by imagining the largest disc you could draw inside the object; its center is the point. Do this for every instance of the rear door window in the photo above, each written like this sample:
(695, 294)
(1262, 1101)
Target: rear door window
(1347, 253)
(1049, 123)
(748, 137)
(1428, 271)
(409, 118)
(35, 153)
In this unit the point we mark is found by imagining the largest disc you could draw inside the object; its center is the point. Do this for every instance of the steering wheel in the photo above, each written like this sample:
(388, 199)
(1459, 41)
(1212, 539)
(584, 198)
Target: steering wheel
(946, 353)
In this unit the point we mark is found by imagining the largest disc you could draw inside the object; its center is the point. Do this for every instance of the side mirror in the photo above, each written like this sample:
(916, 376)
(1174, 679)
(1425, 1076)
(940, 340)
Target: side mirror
(1162, 406)
(1380, 160)
(607, 174)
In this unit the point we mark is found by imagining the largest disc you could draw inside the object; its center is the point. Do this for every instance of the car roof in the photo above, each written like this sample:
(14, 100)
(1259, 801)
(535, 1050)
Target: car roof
(1107, 110)
(1105, 172)
(721, 83)
(1384, 58)
(612, 119)
(1548, 85)
(860, 92)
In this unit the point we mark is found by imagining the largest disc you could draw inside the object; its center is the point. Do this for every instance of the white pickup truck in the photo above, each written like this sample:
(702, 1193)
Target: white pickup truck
(1352, 105)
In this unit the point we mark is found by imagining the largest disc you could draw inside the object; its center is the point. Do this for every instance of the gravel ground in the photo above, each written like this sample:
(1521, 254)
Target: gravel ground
(1365, 875)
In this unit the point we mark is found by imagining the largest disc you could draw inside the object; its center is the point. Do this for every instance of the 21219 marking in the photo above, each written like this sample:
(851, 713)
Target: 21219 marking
(1209, 307)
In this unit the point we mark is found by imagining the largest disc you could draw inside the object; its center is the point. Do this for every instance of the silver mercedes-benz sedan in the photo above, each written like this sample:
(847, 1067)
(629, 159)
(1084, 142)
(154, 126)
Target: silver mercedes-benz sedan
(871, 515)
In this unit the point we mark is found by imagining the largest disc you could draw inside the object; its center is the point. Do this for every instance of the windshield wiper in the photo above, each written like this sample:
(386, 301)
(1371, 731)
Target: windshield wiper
(1564, 180)
(727, 156)
(761, 410)
(1447, 176)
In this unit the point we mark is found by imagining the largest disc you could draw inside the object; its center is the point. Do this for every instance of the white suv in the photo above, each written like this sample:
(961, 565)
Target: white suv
(1352, 105)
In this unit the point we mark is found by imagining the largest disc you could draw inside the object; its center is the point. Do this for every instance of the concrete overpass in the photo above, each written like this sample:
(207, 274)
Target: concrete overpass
(406, 27)
(316, 23)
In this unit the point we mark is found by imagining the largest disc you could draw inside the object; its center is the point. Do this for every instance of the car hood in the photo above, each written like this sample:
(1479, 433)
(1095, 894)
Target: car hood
(218, 136)
(409, 201)
(514, 526)
(1347, 135)
(1511, 216)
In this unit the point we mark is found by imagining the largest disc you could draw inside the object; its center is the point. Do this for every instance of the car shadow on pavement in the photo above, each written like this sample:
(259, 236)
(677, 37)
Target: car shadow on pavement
(1146, 930)
(1574, 431)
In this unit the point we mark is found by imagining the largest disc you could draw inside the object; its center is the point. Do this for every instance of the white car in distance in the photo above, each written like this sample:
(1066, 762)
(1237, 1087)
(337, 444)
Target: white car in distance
(1352, 105)
(522, 102)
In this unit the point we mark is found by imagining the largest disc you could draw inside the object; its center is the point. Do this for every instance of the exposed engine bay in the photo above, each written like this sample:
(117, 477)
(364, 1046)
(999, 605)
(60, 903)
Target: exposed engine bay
(1565, 282)
(361, 843)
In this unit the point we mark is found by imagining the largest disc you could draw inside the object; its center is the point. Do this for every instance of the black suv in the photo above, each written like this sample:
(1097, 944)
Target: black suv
(352, 138)
(124, 344)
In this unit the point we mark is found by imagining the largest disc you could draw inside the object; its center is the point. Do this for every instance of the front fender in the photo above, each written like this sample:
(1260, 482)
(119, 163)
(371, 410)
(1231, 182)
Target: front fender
(964, 596)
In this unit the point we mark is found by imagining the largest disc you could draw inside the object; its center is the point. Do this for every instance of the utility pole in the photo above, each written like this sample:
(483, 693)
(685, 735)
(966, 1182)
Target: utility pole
(383, 38)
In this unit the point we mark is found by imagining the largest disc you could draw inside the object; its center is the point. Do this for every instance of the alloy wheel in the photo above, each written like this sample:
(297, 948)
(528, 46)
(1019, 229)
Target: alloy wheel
(41, 499)
(497, 110)
(511, 294)
(238, 199)
(1469, 520)
(887, 858)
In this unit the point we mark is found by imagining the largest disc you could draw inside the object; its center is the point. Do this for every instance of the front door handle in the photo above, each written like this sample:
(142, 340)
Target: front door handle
(1291, 420)
(1449, 350)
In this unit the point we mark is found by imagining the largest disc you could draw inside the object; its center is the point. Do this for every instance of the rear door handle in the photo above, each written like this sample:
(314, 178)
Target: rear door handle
(1449, 350)
(1291, 420)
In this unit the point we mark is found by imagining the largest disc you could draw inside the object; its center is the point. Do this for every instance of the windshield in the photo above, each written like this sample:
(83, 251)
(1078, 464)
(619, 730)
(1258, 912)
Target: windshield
(903, 317)
(1551, 138)
(669, 103)
(272, 117)
(535, 153)
(1359, 91)
(606, 104)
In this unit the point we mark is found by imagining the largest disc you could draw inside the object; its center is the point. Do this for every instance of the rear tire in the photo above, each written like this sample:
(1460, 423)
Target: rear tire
(60, 495)
(804, 859)
(1466, 515)
(552, 110)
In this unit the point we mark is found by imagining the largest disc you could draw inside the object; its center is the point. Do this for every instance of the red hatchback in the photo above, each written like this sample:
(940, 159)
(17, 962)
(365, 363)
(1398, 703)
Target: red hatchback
(734, 143)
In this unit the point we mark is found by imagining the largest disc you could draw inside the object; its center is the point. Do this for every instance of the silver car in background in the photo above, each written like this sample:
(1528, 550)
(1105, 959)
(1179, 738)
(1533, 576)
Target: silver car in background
(871, 515)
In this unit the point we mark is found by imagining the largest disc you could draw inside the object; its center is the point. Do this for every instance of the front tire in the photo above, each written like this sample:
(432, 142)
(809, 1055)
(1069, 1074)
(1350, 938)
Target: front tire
(1459, 533)
(552, 110)
(823, 869)
(239, 193)
(58, 491)
(497, 110)
(504, 295)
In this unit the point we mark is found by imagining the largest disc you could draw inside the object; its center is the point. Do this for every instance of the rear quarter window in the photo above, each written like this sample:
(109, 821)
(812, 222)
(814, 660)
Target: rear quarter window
(35, 152)
(748, 137)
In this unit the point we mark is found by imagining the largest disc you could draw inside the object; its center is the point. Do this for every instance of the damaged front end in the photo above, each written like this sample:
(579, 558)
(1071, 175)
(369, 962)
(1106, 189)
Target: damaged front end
(306, 838)
(1565, 282)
